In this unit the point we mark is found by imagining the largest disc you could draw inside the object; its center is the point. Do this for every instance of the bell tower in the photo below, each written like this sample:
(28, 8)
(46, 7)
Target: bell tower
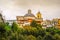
(39, 15)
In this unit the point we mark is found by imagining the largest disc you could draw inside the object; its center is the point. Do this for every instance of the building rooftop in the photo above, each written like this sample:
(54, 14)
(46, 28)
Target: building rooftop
(29, 14)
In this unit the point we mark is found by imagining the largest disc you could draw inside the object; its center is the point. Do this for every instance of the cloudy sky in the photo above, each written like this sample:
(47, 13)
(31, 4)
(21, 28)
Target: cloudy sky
(11, 8)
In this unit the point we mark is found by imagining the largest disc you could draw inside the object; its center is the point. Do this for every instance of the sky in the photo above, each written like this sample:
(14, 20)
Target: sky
(48, 8)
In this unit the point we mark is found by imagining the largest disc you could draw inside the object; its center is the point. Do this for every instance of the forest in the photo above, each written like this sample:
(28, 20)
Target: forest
(33, 31)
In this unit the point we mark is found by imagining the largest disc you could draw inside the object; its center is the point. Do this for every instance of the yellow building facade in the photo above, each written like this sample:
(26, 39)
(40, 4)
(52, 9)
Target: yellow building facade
(58, 25)
(39, 15)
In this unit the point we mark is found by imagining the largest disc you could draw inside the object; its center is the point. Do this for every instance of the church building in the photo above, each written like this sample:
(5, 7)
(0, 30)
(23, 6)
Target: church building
(27, 18)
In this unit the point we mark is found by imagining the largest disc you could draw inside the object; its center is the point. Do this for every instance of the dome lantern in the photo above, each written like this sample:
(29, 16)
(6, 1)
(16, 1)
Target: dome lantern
(29, 11)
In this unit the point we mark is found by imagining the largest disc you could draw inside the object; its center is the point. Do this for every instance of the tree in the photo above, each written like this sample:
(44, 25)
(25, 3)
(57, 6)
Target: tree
(41, 32)
(58, 31)
(7, 23)
(33, 23)
(2, 27)
(2, 31)
(21, 37)
(57, 37)
(14, 27)
(30, 37)
(51, 30)
(39, 26)
(48, 37)
(39, 38)
(7, 27)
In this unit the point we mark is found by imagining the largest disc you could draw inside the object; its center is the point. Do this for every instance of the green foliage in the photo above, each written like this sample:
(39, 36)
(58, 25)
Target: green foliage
(48, 37)
(2, 27)
(30, 37)
(7, 28)
(39, 26)
(7, 23)
(32, 32)
(51, 30)
(39, 38)
(57, 37)
(14, 27)
(33, 23)
(58, 31)
(21, 37)
(41, 32)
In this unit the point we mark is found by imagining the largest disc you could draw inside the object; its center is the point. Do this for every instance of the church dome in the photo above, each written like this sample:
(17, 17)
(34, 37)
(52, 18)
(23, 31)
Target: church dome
(29, 14)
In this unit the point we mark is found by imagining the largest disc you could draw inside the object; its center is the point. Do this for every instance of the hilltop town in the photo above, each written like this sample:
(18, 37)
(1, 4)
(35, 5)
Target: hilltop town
(29, 27)
(29, 17)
